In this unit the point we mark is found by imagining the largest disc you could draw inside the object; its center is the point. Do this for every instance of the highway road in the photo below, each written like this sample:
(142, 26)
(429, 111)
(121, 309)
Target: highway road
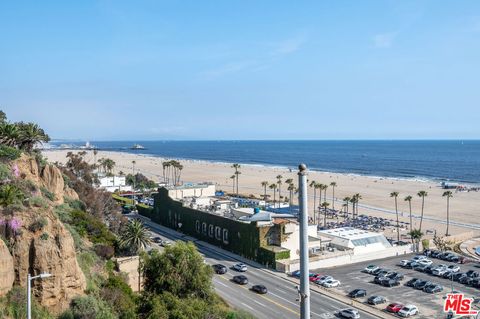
(279, 302)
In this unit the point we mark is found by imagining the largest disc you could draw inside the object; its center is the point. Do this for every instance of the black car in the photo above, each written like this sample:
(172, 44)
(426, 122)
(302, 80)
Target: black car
(448, 275)
(219, 269)
(475, 283)
(259, 289)
(433, 288)
(429, 269)
(378, 279)
(356, 293)
(421, 284)
(458, 275)
(390, 282)
(376, 300)
(157, 240)
(472, 274)
(240, 279)
(466, 280)
(377, 271)
(411, 282)
(396, 276)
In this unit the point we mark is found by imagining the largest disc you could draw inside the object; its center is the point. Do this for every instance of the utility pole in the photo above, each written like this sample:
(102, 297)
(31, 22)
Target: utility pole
(303, 219)
(29, 291)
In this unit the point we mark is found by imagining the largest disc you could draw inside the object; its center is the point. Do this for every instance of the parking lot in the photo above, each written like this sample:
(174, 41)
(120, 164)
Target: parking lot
(430, 305)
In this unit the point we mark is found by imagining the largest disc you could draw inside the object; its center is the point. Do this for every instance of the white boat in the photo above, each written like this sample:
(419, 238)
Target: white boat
(137, 147)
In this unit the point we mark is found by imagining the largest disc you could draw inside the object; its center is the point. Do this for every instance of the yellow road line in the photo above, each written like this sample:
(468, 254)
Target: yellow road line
(266, 298)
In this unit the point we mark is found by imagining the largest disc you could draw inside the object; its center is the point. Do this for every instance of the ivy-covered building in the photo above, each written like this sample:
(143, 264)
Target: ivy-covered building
(255, 240)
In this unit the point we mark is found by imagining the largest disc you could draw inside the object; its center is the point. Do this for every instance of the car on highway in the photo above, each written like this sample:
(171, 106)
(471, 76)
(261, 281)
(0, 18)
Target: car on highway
(376, 300)
(259, 289)
(433, 288)
(331, 283)
(240, 279)
(157, 240)
(357, 293)
(370, 268)
(394, 307)
(240, 267)
(219, 269)
(349, 313)
(408, 311)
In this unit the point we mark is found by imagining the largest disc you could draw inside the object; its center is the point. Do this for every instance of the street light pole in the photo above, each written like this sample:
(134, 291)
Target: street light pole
(29, 291)
(303, 219)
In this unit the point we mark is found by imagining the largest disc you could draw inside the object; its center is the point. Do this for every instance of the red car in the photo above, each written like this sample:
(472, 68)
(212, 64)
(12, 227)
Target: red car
(394, 307)
(314, 277)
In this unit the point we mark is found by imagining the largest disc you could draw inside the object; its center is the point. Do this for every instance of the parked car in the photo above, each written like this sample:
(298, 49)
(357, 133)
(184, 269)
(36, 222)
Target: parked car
(448, 275)
(472, 274)
(259, 289)
(433, 288)
(349, 313)
(377, 271)
(165, 243)
(429, 269)
(419, 257)
(370, 268)
(322, 279)
(376, 300)
(411, 282)
(408, 311)
(458, 276)
(219, 269)
(439, 270)
(466, 280)
(404, 262)
(314, 277)
(295, 273)
(240, 267)
(396, 276)
(240, 279)
(378, 279)
(394, 307)
(389, 282)
(157, 240)
(426, 262)
(356, 293)
(330, 283)
(435, 253)
(453, 268)
(421, 284)
(420, 267)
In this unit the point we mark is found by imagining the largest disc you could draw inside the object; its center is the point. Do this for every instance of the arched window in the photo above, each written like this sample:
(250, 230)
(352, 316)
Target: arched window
(204, 228)
(218, 233)
(210, 231)
(225, 236)
(197, 226)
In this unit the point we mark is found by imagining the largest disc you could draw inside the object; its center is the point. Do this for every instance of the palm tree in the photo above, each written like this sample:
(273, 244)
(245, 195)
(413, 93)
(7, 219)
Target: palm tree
(416, 236)
(324, 188)
(409, 200)
(95, 152)
(264, 185)
(9, 134)
(395, 196)
(135, 236)
(448, 195)
(134, 178)
(320, 188)
(422, 194)
(279, 182)
(333, 184)
(324, 206)
(346, 201)
(236, 166)
(30, 134)
(10, 194)
(274, 188)
(233, 183)
(291, 189)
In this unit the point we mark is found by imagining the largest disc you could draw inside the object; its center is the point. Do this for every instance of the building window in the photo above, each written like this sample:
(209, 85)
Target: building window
(204, 228)
(210, 230)
(197, 226)
(218, 233)
(225, 236)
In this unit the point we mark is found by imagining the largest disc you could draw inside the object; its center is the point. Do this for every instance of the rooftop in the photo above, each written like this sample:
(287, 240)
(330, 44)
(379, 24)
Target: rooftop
(349, 233)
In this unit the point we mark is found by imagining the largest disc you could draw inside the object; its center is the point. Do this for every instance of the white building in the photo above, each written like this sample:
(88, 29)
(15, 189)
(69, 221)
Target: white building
(292, 238)
(358, 240)
(114, 183)
(191, 190)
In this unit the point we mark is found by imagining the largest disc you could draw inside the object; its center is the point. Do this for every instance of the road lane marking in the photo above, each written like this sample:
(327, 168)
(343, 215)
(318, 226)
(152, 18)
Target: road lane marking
(257, 302)
(221, 283)
(247, 306)
(295, 304)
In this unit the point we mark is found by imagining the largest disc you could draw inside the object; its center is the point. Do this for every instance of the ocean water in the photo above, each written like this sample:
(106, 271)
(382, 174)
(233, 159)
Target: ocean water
(438, 160)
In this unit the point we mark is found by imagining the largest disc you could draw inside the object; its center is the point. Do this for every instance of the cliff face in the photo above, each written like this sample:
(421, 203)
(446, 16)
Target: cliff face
(43, 244)
(7, 274)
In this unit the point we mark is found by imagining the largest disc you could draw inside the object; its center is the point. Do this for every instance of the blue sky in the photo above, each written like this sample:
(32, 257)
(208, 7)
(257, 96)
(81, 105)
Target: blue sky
(102, 70)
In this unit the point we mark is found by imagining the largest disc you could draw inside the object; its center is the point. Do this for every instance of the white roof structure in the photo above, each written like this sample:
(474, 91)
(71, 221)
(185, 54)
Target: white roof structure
(356, 239)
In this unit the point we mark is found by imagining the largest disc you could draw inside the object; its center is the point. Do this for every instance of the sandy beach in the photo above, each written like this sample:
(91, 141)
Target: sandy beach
(375, 191)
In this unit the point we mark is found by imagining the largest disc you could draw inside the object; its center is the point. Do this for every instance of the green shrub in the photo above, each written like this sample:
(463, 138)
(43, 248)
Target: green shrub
(75, 203)
(88, 307)
(14, 306)
(38, 224)
(48, 194)
(44, 236)
(118, 294)
(104, 251)
(63, 212)
(5, 172)
(37, 201)
(92, 227)
(41, 161)
(77, 239)
(9, 153)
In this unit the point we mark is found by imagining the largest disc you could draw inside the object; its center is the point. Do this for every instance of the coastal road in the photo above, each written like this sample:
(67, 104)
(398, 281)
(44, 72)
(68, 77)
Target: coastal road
(279, 302)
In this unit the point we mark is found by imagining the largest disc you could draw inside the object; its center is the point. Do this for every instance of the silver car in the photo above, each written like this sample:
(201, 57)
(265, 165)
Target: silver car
(349, 313)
